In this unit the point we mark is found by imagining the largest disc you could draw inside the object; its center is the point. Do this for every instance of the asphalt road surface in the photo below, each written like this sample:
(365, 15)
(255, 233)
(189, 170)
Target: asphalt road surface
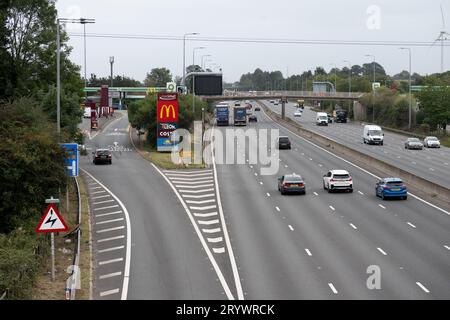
(326, 246)
(430, 164)
(166, 259)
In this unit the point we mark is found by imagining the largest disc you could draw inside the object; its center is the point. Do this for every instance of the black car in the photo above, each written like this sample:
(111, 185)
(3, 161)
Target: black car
(283, 143)
(102, 156)
(330, 118)
(252, 118)
(341, 116)
(257, 109)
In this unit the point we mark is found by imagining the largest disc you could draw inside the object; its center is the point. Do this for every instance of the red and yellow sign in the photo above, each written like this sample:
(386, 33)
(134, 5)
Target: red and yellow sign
(167, 107)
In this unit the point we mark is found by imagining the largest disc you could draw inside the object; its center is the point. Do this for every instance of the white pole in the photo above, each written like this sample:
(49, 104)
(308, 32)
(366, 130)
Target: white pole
(52, 248)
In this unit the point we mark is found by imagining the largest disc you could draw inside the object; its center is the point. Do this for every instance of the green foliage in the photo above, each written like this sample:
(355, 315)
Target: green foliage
(31, 163)
(158, 77)
(434, 105)
(20, 259)
(142, 114)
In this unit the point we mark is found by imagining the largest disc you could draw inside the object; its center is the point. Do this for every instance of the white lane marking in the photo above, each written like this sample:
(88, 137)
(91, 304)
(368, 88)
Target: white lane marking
(199, 196)
(310, 159)
(278, 209)
(290, 227)
(173, 172)
(320, 165)
(108, 214)
(106, 201)
(215, 240)
(109, 292)
(256, 174)
(261, 183)
(200, 202)
(361, 193)
(446, 163)
(251, 167)
(268, 194)
(176, 182)
(208, 222)
(286, 166)
(411, 224)
(431, 169)
(422, 287)
(96, 192)
(354, 165)
(110, 275)
(110, 229)
(196, 191)
(102, 263)
(194, 187)
(315, 193)
(101, 197)
(92, 183)
(353, 226)
(447, 247)
(199, 233)
(332, 208)
(110, 239)
(332, 288)
(205, 215)
(413, 162)
(219, 250)
(238, 285)
(381, 250)
(215, 230)
(109, 207)
(381, 206)
(198, 175)
(191, 179)
(111, 249)
(93, 188)
(126, 274)
(308, 252)
(203, 208)
(109, 221)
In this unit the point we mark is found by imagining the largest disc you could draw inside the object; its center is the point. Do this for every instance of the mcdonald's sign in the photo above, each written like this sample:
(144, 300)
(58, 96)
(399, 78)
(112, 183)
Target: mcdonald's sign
(167, 110)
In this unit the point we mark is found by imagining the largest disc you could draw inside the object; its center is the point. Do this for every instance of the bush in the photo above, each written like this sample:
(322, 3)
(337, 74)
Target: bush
(20, 260)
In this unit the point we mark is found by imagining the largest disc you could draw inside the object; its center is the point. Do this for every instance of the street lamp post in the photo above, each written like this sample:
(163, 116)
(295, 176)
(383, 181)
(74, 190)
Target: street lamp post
(193, 55)
(58, 65)
(111, 61)
(84, 21)
(373, 88)
(410, 96)
(335, 77)
(184, 50)
(349, 82)
(203, 56)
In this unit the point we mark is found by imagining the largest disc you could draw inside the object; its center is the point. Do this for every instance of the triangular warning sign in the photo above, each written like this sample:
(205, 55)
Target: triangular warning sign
(51, 221)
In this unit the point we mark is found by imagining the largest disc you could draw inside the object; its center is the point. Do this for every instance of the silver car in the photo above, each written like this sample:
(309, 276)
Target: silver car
(413, 143)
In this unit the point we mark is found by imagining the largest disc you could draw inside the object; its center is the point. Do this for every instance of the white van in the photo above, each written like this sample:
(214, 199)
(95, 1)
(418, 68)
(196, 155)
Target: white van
(321, 119)
(373, 135)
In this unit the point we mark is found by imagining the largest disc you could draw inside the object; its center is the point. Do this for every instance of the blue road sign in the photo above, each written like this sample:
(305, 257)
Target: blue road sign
(71, 161)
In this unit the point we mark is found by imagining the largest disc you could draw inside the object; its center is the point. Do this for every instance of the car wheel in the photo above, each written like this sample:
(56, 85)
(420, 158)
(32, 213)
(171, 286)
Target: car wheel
(350, 190)
(282, 192)
(324, 187)
(329, 189)
(382, 143)
(376, 193)
(382, 196)
(364, 141)
(405, 197)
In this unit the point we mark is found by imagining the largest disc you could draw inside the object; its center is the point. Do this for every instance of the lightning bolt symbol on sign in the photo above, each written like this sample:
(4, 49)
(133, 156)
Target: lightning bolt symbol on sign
(51, 220)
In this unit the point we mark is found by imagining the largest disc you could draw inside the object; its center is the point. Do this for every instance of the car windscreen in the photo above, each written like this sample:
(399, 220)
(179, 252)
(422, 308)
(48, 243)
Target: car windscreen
(395, 183)
(284, 139)
(103, 152)
(341, 176)
(323, 117)
(432, 138)
(375, 132)
(293, 178)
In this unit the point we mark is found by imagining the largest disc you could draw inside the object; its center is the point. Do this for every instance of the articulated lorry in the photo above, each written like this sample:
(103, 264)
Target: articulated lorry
(240, 116)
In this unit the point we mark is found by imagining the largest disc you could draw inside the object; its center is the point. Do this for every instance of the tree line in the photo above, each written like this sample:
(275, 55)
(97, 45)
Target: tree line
(31, 160)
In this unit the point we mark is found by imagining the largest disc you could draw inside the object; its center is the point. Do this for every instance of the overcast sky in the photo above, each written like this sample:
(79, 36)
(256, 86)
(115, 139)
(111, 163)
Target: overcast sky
(385, 20)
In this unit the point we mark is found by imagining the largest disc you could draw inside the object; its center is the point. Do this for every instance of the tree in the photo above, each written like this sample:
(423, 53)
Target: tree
(434, 102)
(158, 77)
(320, 71)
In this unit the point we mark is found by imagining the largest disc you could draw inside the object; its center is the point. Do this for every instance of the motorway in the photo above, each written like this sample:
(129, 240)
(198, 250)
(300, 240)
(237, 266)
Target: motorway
(225, 232)
(430, 164)
(165, 258)
(319, 246)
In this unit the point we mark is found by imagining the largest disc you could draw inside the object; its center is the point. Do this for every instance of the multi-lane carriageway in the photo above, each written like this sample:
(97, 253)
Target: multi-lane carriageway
(249, 242)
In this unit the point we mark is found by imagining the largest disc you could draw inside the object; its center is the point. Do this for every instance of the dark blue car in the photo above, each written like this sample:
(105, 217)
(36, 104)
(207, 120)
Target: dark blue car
(391, 188)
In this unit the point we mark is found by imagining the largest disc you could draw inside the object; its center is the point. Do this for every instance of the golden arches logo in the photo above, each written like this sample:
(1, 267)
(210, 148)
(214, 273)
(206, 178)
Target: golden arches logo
(167, 109)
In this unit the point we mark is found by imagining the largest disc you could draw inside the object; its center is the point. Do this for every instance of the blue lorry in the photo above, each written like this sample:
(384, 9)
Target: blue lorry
(240, 116)
(222, 115)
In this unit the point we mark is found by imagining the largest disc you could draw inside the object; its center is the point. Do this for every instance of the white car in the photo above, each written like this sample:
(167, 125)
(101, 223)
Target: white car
(337, 180)
(298, 113)
(431, 142)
